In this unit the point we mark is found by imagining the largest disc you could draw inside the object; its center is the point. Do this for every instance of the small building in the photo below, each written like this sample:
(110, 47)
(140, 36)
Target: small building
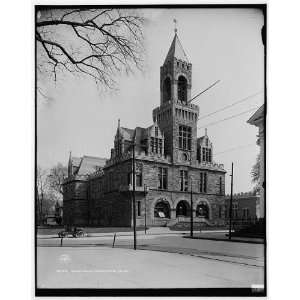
(244, 208)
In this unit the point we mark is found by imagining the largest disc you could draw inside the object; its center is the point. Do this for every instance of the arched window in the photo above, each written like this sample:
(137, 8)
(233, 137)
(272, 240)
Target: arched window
(167, 90)
(182, 89)
(183, 209)
(162, 209)
(202, 210)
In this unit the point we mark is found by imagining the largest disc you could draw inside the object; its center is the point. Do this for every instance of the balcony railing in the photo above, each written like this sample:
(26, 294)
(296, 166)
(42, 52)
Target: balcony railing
(129, 188)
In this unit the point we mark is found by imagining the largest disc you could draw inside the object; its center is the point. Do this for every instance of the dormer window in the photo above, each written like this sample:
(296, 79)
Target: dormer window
(156, 145)
(156, 131)
(206, 154)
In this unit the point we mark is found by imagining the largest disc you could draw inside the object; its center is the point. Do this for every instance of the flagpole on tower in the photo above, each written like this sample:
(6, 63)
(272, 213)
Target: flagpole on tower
(175, 25)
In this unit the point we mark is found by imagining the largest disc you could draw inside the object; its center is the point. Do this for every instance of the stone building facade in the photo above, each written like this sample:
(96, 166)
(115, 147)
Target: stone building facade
(258, 120)
(171, 165)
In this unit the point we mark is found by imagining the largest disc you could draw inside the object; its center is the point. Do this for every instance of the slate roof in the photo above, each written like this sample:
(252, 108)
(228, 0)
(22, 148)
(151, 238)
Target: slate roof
(90, 164)
(176, 50)
(259, 114)
(128, 134)
(76, 161)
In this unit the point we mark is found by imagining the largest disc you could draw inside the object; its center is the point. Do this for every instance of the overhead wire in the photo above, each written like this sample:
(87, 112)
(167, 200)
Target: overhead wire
(235, 148)
(229, 118)
(231, 105)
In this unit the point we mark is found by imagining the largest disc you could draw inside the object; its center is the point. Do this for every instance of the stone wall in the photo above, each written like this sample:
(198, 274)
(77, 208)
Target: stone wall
(75, 202)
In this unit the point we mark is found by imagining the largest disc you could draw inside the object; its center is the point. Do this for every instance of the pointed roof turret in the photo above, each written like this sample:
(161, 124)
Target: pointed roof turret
(176, 50)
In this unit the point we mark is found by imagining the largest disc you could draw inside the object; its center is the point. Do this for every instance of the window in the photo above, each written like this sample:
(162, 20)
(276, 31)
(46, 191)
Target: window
(156, 145)
(167, 90)
(111, 181)
(206, 154)
(182, 89)
(234, 210)
(199, 154)
(220, 185)
(156, 131)
(183, 180)
(129, 178)
(185, 137)
(138, 179)
(203, 182)
(160, 146)
(139, 208)
(245, 213)
(162, 209)
(220, 211)
(162, 178)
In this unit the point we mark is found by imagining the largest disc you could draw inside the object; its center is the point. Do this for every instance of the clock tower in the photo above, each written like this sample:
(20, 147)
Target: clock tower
(176, 116)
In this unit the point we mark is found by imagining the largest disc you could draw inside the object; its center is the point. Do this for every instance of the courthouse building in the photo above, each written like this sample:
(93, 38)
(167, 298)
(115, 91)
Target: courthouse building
(170, 160)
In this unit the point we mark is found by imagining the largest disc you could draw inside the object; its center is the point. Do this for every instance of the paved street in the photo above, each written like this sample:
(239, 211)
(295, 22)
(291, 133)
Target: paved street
(173, 261)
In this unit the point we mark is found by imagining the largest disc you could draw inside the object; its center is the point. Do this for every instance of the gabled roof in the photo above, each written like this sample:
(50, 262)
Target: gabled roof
(90, 164)
(75, 161)
(176, 50)
(127, 133)
(257, 116)
(141, 133)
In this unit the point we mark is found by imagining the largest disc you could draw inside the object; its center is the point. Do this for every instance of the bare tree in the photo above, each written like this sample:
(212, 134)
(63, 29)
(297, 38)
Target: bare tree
(56, 177)
(255, 174)
(41, 188)
(99, 43)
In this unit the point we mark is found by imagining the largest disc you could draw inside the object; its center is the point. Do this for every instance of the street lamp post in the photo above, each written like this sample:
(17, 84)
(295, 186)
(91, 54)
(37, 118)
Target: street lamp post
(192, 218)
(133, 193)
(145, 193)
(230, 205)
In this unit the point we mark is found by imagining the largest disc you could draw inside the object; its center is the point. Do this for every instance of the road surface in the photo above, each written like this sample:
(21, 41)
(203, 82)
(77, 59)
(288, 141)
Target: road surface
(173, 262)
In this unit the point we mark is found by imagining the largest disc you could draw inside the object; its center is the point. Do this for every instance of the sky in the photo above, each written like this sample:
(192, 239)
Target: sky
(221, 44)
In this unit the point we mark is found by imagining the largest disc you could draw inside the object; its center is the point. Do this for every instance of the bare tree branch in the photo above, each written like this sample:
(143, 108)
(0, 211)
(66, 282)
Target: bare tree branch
(98, 43)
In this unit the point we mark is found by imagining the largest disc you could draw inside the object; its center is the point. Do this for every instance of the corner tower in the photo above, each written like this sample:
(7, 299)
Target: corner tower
(176, 116)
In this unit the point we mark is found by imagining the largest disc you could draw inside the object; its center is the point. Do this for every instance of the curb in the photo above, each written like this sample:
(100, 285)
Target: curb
(224, 240)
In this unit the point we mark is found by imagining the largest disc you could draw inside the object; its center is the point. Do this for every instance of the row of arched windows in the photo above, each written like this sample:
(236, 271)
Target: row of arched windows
(184, 114)
(162, 209)
(181, 89)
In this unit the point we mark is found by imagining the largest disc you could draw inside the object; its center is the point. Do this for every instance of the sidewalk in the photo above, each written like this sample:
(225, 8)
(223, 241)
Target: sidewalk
(218, 236)
(151, 231)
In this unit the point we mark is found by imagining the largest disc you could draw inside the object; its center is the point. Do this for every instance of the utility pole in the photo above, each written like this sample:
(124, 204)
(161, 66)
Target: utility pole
(145, 191)
(192, 218)
(230, 205)
(133, 193)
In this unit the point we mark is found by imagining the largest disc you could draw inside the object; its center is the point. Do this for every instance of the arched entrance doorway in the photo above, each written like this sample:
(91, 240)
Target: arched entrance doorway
(183, 209)
(202, 210)
(182, 89)
(162, 209)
